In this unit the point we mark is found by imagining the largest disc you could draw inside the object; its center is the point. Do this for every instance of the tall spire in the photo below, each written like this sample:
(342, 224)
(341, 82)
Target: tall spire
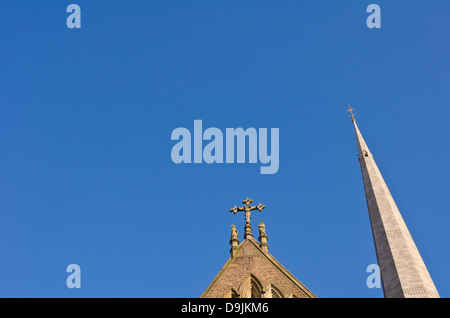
(403, 272)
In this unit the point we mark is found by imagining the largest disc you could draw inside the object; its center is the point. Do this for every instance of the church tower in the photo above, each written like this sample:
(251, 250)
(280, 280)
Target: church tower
(251, 271)
(403, 272)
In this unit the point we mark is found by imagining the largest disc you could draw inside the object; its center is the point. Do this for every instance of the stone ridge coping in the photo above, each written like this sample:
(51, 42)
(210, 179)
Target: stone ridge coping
(270, 258)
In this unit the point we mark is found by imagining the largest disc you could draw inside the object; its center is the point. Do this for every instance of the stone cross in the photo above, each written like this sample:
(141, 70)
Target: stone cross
(350, 110)
(247, 209)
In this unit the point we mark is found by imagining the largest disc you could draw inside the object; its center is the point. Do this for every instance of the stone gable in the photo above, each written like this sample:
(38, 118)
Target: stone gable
(253, 271)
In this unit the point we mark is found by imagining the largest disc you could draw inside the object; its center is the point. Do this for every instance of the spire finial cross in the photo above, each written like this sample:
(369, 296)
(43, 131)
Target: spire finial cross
(350, 110)
(247, 208)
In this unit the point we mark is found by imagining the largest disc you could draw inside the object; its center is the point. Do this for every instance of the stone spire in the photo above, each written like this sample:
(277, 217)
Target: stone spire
(234, 241)
(263, 237)
(403, 272)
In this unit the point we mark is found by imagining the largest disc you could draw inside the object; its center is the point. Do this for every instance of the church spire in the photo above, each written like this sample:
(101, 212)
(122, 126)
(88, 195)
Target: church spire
(403, 272)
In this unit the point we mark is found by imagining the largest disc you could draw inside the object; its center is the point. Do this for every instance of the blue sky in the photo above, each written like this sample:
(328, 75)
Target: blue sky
(86, 117)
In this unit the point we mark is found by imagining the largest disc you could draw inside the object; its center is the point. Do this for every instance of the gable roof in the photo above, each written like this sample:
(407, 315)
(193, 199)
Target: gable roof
(251, 260)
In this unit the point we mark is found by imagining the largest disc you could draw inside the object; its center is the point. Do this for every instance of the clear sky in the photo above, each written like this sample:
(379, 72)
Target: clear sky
(86, 116)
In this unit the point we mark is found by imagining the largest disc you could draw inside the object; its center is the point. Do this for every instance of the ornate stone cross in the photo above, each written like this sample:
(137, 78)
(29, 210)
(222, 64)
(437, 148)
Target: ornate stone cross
(350, 110)
(247, 208)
